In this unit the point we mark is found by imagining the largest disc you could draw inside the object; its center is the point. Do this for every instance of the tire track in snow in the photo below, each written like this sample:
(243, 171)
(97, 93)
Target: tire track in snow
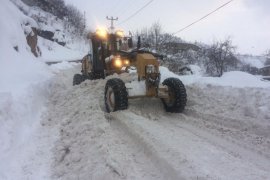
(165, 134)
(242, 135)
(209, 126)
(89, 145)
(248, 136)
(235, 147)
(160, 163)
(178, 148)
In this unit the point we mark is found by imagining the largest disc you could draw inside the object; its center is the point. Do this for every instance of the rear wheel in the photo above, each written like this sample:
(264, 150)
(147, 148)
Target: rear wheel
(177, 95)
(77, 79)
(116, 96)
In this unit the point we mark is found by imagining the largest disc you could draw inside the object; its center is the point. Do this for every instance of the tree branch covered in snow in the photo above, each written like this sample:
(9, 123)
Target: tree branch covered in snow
(220, 57)
(215, 59)
(69, 13)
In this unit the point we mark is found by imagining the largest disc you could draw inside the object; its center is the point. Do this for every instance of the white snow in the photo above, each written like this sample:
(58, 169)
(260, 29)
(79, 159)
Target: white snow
(75, 47)
(234, 79)
(25, 85)
(51, 51)
(24, 88)
(222, 134)
(50, 129)
(255, 61)
(196, 70)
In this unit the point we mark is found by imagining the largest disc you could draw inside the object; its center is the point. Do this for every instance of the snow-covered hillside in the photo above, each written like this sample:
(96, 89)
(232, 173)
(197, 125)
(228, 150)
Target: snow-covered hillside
(254, 61)
(24, 89)
(49, 25)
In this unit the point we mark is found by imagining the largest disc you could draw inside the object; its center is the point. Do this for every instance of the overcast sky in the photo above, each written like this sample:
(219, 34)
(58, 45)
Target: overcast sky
(246, 21)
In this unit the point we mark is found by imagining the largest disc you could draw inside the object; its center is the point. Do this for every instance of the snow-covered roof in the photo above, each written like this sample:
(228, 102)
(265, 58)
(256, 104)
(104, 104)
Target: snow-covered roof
(268, 66)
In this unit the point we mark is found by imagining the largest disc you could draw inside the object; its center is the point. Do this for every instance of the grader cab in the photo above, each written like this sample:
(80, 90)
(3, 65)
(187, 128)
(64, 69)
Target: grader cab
(106, 57)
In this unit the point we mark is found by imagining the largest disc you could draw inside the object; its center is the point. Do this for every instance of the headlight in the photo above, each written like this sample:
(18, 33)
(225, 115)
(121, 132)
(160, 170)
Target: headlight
(102, 33)
(118, 62)
(120, 33)
(150, 69)
(126, 62)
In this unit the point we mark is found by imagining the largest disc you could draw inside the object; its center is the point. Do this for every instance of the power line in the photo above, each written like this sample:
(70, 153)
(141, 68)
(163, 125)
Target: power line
(115, 8)
(125, 9)
(182, 29)
(134, 14)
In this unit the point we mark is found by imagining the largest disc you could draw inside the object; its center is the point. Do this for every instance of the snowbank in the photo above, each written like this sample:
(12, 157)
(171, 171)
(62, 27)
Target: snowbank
(234, 79)
(51, 51)
(196, 70)
(24, 88)
(61, 66)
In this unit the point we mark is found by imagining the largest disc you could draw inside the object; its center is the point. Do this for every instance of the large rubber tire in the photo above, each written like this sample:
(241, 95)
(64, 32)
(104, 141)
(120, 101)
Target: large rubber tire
(116, 96)
(177, 95)
(77, 79)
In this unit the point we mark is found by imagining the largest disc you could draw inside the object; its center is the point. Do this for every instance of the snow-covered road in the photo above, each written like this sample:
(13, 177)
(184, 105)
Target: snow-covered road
(223, 134)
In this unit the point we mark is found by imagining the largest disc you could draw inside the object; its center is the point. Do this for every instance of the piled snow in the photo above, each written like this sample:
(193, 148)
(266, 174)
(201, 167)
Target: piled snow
(196, 70)
(222, 134)
(241, 79)
(24, 88)
(51, 51)
(56, 68)
(25, 83)
(234, 79)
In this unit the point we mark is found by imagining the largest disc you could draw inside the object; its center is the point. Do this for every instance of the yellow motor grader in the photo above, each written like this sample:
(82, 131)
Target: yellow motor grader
(105, 58)
(172, 91)
(114, 53)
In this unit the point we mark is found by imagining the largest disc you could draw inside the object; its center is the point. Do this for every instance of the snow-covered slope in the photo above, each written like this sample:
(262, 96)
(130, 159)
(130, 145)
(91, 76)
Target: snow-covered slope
(75, 47)
(24, 89)
(51, 51)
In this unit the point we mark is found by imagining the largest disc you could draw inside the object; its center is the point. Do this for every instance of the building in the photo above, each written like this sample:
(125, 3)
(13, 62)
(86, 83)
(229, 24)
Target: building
(265, 71)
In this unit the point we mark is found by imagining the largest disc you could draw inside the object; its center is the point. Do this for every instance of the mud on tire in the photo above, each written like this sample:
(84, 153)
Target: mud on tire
(77, 79)
(116, 96)
(177, 95)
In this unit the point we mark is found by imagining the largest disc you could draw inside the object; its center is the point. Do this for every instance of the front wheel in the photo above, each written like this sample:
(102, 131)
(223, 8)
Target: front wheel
(177, 99)
(116, 96)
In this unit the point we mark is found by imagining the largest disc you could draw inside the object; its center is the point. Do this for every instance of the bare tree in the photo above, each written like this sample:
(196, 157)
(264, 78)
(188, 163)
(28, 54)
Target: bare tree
(155, 30)
(220, 57)
(76, 19)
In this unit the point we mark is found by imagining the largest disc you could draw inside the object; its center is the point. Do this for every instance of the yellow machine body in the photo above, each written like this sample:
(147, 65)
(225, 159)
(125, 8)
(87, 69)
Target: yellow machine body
(142, 60)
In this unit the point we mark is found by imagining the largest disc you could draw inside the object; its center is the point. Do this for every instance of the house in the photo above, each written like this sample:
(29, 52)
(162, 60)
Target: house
(265, 71)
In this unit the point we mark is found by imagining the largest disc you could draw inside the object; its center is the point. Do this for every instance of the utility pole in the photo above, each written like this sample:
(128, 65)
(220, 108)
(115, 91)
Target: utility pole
(112, 19)
(84, 20)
